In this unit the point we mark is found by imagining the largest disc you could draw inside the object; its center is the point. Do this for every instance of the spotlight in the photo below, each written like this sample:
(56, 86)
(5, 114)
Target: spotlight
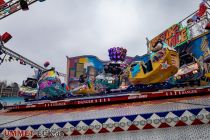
(10, 58)
(6, 37)
(22, 62)
(24, 5)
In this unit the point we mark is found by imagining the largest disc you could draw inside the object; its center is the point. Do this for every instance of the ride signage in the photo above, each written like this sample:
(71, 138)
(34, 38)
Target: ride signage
(173, 36)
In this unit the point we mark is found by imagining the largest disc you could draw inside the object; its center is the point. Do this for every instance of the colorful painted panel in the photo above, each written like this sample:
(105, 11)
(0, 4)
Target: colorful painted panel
(200, 47)
(83, 63)
(187, 69)
(145, 58)
(197, 28)
(72, 72)
(48, 74)
(91, 61)
(136, 69)
(91, 65)
(173, 36)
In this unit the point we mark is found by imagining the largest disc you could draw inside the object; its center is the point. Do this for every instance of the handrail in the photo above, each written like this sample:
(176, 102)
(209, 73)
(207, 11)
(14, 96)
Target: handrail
(190, 16)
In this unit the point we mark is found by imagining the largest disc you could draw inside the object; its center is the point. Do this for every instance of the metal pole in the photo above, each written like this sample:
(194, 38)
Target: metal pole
(188, 16)
(1, 90)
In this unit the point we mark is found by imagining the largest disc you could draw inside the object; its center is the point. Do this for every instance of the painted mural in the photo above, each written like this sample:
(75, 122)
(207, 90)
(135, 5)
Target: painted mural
(91, 61)
(200, 48)
(88, 64)
(77, 66)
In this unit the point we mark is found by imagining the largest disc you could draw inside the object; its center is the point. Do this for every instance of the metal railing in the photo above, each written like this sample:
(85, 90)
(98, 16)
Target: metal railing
(196, 28)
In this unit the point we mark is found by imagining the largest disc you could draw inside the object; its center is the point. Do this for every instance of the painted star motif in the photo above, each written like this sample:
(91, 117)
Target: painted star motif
(165, 65)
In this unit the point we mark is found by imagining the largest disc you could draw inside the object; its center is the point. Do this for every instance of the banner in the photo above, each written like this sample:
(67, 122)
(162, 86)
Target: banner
(173, 36)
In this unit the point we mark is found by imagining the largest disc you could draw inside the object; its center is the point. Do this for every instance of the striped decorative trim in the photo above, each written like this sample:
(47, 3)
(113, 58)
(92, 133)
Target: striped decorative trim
(111, 124)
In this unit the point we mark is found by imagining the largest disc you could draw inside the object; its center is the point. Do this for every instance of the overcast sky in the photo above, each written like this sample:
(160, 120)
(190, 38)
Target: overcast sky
(54, 29)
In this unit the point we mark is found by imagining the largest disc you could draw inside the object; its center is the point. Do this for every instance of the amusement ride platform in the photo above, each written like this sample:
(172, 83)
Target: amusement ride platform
(157, 117)
(166, 113)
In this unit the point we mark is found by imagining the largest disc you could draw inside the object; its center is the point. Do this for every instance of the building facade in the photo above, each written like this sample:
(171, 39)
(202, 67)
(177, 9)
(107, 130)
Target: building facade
(9, 91)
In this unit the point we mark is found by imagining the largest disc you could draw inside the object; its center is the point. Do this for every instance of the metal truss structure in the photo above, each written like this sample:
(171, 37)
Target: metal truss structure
(11, 7)
(17, 56)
